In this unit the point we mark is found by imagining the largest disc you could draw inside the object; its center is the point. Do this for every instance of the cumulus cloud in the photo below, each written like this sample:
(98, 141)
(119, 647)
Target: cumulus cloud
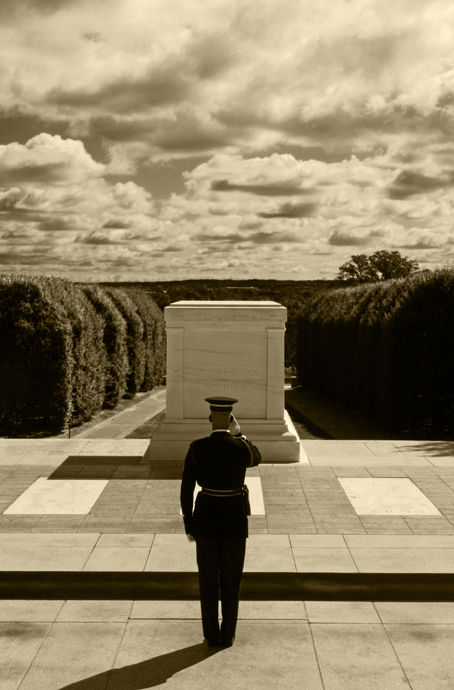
(47, 159)
(57, 209)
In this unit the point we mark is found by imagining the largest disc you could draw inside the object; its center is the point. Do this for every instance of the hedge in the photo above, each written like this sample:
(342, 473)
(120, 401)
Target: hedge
(115, 341)
(154, 338)
(418, 346)
(135, 338)
(89, 352)
(385, 348)
(52, 356)
(67, 351)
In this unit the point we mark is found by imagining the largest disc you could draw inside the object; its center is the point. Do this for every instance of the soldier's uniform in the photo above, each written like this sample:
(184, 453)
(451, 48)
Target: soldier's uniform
(219, 522)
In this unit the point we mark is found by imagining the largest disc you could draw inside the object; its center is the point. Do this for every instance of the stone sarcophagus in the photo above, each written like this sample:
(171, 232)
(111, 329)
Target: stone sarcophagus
(232, 348)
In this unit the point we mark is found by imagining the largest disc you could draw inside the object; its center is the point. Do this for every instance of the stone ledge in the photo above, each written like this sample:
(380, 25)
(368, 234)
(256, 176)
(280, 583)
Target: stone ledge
(255, 586)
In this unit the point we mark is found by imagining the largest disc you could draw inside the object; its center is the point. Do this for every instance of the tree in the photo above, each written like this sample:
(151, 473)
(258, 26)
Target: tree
(382, 265)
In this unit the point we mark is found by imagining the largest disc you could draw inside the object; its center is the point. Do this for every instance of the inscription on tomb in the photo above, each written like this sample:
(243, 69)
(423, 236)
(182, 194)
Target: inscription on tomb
(224, 357)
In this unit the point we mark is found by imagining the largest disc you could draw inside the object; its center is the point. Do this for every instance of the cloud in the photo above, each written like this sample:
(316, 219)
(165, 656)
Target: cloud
(118, 129)
(57, 224)
(316, 74)
(161, 85)
(10, 8)
(116, 224)
(46, 159)
(291, 210)
(347, 238)
(60, 201)
(96, 238)
(409, 182)
(10, 199)
(272, 189)
(298, 269)
(323, 125)
(222, 237)
(272, 237)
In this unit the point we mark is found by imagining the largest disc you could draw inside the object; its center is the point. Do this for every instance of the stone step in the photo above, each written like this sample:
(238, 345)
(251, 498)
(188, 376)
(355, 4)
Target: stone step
(51, 585)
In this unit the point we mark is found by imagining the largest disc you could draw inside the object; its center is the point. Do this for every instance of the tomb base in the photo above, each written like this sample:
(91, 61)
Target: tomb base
(276, 439)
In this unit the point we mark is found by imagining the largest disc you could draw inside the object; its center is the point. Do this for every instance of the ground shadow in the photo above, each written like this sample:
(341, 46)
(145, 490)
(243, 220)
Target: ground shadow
(430, 448)
(114, 467)
(146, 674)
(148, 429)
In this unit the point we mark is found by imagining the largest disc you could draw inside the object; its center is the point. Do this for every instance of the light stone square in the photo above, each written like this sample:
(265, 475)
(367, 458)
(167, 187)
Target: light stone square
(58, 497)
(386, 496)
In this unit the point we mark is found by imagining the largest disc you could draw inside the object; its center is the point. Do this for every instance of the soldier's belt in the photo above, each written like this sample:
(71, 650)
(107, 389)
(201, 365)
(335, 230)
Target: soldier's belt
(221, 493)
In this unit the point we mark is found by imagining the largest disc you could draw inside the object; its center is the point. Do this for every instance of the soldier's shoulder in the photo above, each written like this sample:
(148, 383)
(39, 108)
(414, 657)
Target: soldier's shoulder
(198, 442)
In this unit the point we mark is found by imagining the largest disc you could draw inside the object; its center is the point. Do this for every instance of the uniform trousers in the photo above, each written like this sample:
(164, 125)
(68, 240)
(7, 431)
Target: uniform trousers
(220, 563)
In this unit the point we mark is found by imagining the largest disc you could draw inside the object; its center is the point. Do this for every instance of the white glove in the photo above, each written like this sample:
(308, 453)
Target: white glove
(234, 427)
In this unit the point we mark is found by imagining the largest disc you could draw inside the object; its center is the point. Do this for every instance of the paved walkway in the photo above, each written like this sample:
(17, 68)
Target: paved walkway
(87, 645)
(89, 509)
(122, 424)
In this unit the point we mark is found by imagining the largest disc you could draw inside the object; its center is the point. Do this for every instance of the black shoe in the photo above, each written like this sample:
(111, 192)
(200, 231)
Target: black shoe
(211, 643)
(227, 643)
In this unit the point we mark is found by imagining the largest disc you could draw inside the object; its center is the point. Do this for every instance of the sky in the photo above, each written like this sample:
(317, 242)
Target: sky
(145, 140)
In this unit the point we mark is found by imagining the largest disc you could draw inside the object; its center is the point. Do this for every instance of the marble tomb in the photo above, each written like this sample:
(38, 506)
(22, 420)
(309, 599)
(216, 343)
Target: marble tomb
(232, 348)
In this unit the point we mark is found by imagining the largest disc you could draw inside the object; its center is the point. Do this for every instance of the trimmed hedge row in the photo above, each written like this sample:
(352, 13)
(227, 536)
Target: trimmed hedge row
(135, 338)
(115, 343)
(154, 338)
(385, 348)
(35, 355)
(66, 351)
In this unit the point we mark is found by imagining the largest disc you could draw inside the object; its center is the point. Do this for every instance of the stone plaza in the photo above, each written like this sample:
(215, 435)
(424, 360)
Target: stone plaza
(349, 574)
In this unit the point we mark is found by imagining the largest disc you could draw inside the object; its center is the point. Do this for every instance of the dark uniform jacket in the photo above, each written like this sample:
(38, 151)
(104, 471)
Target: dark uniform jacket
(217, 462)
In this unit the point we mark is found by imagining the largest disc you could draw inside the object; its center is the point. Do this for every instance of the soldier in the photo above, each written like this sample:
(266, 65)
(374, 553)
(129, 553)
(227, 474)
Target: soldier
(219, 525)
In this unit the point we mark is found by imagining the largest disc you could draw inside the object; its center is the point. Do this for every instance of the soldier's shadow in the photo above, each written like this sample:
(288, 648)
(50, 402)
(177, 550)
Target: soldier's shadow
(146, 674)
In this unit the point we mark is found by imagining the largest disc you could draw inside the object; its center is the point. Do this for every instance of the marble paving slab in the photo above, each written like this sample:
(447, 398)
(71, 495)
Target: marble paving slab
(58, 497)
(386, 496)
